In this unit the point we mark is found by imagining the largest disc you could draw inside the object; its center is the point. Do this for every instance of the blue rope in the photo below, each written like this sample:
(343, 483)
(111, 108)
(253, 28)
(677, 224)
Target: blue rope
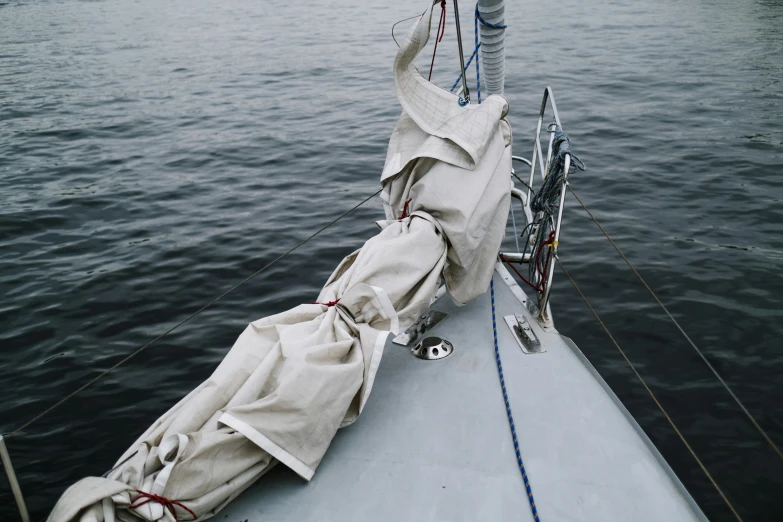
(459, 78)
(476, 21)
(484, 22)
(508, 407)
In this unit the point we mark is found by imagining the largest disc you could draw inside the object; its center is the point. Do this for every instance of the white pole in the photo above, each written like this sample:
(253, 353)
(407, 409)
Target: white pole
(493, 42)
(9, 470)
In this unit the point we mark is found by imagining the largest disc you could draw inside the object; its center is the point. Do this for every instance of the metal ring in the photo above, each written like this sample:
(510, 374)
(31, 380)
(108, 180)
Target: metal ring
(463, 102)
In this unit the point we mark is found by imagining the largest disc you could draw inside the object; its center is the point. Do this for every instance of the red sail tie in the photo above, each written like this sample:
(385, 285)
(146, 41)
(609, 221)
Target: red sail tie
(329, 304)
(146, 498)
(405, 210)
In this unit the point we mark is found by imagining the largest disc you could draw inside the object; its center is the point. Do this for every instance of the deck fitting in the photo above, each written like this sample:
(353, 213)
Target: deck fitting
(426, 322)
(524, 334)
(432, 349)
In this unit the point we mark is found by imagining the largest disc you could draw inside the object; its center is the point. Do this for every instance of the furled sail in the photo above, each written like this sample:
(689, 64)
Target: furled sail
(292, 379)
(492, 37)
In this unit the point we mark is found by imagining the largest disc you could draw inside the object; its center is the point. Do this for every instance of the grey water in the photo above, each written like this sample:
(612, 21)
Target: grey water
(154, 154)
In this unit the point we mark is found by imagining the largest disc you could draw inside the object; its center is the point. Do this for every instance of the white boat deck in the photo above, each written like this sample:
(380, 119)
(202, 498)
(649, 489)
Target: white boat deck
(433, 443)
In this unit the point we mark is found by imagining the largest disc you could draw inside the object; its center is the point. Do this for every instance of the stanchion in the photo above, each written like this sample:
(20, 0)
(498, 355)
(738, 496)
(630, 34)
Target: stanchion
(9, 470)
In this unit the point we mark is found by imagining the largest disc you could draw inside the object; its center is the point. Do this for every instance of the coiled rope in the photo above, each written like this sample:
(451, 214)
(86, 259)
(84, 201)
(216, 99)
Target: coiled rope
(188, 318)
(499, 363)
(547, 199)
(540, 233)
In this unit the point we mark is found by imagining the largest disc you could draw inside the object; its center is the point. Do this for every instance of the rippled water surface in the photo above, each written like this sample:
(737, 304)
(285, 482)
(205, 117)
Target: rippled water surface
(153, 154)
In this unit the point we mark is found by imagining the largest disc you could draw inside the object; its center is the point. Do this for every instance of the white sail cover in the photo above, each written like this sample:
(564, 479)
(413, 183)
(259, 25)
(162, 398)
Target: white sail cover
(292, 379)
(453, 163)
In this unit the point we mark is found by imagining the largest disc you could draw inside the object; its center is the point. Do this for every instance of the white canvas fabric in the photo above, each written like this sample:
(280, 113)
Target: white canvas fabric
(292, 379)
(452, 162)
(289, 382)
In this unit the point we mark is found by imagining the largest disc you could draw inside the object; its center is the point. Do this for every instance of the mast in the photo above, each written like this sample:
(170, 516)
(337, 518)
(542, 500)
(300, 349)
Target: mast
(493, 42)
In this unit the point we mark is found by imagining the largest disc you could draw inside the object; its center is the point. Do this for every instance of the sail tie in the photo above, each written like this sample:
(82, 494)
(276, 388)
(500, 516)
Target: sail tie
(328, 304)
(146, 498)
(405, 210)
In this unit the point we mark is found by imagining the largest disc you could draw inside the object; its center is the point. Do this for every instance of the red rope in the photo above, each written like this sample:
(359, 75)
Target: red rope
(329, 304)
(405, 209)
(531, 285)
(542, 270)
(166, 503)
(439, 34)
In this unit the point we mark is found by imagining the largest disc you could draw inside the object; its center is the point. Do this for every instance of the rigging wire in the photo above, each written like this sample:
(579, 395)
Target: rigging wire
(682, 331)
(514, 222)
(652, 395)
(401, 21)
(523, 182)
(459, 78)
(188, 318)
